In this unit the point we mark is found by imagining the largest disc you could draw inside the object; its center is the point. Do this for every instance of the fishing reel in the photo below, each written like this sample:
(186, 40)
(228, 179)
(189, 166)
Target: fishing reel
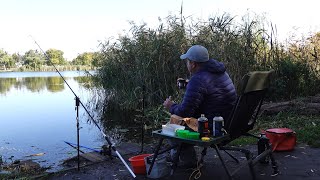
(106, 150)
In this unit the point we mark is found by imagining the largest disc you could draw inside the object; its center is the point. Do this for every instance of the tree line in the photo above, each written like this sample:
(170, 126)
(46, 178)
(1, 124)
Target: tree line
(34, 60)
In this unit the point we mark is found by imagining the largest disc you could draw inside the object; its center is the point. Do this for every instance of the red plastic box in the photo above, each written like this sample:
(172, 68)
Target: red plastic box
(281, 139)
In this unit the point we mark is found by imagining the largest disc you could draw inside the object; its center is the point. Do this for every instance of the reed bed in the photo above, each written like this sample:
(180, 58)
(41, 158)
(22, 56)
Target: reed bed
(139, 69)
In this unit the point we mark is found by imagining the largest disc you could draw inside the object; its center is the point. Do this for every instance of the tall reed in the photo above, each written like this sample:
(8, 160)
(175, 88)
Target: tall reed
(141, 67)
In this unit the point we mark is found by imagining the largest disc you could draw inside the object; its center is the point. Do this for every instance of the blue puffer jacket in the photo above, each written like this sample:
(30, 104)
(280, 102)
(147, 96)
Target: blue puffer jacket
(210, 91)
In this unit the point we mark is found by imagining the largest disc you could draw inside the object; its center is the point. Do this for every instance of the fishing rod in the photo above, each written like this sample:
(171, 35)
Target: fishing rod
(103, 151)
(77, 105)
(73, 146)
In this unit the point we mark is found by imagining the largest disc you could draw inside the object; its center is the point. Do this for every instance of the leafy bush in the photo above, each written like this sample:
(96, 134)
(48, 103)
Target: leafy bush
(293, 79)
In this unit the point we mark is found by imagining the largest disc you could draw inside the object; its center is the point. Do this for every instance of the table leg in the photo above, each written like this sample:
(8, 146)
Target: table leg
(203, 153)
(155, 155)
(176, 159)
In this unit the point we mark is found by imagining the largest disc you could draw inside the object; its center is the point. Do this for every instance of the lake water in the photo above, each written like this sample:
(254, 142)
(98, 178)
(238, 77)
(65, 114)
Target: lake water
(38, 115)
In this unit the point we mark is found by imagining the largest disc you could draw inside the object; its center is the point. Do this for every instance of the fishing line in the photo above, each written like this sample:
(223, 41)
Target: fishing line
(78, 101)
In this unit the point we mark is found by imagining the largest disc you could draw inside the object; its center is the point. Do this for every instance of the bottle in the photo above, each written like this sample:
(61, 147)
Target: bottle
(203, 126)
(217, 125)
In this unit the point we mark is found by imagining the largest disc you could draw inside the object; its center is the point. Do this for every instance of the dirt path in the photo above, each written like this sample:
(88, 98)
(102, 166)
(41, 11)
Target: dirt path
(301, 163)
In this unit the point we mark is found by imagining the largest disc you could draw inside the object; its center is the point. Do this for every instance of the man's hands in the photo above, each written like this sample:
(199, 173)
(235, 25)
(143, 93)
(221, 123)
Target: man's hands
(168, 103)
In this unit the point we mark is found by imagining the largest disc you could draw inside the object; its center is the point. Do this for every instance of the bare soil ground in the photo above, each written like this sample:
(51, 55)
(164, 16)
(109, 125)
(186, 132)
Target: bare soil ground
(301, 163)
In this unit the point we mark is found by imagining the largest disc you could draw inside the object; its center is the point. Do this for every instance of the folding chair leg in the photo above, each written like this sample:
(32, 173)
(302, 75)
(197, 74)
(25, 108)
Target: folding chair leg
(234, 158)
(273, 162)
(249, 159)
(222, 161)
(249, 162)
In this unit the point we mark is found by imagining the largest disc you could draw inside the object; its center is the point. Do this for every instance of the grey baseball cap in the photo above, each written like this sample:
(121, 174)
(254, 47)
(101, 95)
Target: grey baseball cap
(196, 53)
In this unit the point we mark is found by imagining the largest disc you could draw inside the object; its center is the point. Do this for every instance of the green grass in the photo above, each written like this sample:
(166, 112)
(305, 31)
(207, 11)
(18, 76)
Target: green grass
(307, 128)
(15, 176)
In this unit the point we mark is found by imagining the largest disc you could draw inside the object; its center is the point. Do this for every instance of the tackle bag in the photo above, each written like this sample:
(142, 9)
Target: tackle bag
(281, 139)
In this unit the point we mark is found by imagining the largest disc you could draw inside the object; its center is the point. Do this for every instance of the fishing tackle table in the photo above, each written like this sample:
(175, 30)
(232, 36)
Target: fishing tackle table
(213, 142)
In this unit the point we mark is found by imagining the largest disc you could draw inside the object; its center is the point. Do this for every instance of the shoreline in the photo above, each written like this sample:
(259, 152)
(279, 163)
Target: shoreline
(51, 68)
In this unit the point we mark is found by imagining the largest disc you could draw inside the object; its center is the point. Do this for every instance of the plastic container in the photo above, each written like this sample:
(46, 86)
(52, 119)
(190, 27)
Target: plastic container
(193, 135)
(205, 139)
(170, 129)
(138, 164)
(281, 139)
(183, 133)
(160, 167)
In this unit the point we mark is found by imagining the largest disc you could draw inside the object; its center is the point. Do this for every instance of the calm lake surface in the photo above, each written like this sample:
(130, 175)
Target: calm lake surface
(38, 115)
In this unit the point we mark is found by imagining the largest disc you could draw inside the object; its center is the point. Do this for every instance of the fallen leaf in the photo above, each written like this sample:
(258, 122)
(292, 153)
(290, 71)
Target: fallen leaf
(38, 154)
(123, 130)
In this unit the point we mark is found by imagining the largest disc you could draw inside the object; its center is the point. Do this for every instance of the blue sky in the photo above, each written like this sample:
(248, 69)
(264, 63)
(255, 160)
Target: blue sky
(76, 26)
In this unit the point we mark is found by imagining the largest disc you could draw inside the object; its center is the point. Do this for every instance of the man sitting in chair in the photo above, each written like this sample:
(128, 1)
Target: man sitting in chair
(210, 91)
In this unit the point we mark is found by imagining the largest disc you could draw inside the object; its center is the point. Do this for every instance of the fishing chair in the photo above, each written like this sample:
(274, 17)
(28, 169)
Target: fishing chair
(242, 119)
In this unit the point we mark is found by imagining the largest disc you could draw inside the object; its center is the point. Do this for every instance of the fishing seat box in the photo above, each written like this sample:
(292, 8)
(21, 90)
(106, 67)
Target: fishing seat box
(281, 139)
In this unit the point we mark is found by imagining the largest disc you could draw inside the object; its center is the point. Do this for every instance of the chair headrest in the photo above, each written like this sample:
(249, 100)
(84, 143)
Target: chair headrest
(256, 80)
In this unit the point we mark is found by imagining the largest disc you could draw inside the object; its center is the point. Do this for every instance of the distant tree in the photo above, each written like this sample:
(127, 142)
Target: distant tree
(17, 57)
(6, 59)
(84, 59)
(55, 57)
(33, 59)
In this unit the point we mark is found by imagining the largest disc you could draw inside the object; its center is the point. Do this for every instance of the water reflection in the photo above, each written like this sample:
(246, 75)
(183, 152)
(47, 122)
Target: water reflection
(7, 83)
(33, 84)
(37, 84)
(38, 114)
